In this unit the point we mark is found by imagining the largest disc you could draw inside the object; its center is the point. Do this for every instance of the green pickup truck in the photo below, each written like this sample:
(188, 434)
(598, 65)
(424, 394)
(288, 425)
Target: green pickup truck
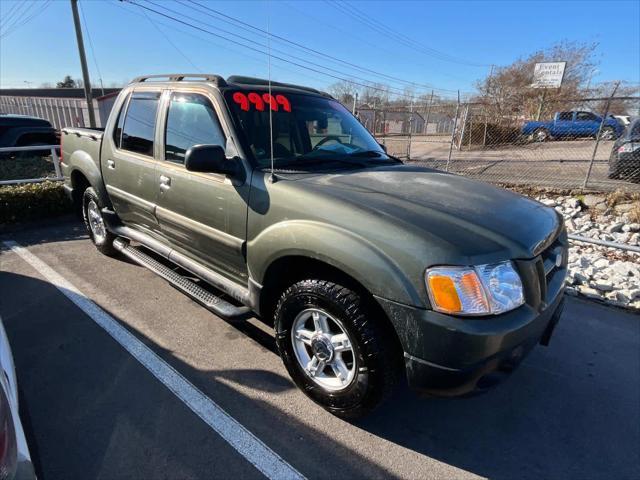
(272, 200)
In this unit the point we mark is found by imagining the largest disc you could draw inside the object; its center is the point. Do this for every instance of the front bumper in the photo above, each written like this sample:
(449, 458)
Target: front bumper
(514, 345)
(447, 355)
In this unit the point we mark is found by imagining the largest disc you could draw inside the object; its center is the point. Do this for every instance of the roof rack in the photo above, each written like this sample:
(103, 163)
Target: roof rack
(261, 81)
(179, 77)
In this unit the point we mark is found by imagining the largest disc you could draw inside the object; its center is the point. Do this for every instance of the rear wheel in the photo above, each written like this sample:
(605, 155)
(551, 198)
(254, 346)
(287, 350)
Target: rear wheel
(607, 133)
(95, 224)
(334, 349)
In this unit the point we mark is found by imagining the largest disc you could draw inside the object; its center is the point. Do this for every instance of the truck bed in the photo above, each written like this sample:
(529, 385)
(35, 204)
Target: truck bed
(81, 144)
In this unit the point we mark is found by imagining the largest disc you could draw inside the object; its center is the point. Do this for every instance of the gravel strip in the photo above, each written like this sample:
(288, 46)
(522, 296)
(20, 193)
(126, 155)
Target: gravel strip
(605, 274)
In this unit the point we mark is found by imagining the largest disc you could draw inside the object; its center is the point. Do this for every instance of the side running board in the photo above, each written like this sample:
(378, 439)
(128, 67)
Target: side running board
(211, 302)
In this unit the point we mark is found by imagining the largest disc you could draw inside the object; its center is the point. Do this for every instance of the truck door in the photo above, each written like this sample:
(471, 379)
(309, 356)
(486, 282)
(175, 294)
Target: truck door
(202, 214)
(587, 124)
(128, 160)
(563, 124)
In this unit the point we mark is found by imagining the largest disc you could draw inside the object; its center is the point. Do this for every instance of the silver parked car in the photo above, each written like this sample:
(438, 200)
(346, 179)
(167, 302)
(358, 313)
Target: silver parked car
(15, 459)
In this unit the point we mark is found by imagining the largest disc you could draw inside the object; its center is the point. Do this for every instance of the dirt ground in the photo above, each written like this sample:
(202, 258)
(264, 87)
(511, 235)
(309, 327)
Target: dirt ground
(557, 164)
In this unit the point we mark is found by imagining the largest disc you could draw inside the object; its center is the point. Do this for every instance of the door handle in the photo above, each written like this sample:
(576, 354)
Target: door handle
(111, 164)
(165, 182)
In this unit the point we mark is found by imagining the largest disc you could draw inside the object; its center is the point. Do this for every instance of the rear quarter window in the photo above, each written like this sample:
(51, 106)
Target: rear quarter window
(140, 122)
(117, 131)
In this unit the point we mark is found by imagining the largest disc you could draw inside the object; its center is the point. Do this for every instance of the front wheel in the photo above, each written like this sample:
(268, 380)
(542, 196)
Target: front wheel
(334, 349)
(95, 224)
(541, 135)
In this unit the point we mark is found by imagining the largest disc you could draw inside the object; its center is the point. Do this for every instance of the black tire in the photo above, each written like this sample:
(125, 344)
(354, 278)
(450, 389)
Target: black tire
(104, 244)
(376, 355)
(607, 133)
(614, 169)
(541, 135)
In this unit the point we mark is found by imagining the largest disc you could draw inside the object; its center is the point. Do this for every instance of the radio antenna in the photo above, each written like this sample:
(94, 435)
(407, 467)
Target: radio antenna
(272, 177)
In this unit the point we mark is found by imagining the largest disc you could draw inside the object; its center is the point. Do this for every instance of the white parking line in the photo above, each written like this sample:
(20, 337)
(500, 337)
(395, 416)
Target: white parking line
(242, 440)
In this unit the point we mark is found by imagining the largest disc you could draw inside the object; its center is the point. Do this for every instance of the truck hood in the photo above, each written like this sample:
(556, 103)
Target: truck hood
(463, 217)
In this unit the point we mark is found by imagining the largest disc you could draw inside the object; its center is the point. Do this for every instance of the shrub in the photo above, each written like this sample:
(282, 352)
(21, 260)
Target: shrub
(22, 167)
(31, 201)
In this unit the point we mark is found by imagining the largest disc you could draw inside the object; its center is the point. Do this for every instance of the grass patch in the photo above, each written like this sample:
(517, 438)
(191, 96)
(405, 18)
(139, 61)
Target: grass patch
(634, 213)
(614, 198)
(32, 201)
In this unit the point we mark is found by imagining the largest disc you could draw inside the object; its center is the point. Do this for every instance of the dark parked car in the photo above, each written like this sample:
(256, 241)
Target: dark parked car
(624, 161)
(22, 131)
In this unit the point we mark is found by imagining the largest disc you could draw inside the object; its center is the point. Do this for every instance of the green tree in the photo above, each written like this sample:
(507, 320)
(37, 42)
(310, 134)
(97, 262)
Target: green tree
(68, 82)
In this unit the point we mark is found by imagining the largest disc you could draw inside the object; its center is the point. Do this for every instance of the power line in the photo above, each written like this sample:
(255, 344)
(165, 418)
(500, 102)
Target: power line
(227, 47)
(18, 17)
(316, 52)
(395, 52)
(28, 19)
(368, 85)
(383, 29)
(170, 42)
(252, 42)
(10, 13)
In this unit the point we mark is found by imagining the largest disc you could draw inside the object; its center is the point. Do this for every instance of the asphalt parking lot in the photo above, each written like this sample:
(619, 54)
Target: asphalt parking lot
(93, 410)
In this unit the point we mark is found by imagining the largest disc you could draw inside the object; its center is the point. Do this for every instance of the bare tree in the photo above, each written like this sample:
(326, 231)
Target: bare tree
(508, 92)
(343, 91)
(377, 94)
(626, 101)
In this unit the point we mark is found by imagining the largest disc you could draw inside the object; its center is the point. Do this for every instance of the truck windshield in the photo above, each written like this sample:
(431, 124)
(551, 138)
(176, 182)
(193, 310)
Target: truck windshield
(307, 130)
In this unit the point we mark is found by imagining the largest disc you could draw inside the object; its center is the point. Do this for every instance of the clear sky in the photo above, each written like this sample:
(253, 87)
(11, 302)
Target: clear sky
(451, 44)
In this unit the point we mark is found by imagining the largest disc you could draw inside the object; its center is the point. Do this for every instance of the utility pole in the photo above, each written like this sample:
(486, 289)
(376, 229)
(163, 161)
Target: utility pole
(83, 63)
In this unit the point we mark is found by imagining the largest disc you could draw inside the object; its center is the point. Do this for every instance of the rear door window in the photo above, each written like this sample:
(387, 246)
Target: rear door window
(565, 116)
(140, 122)
(585, 117)
(191, 120)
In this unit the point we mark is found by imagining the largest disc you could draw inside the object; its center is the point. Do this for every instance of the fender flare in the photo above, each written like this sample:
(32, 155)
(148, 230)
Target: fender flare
(82, 162)
(340, 248)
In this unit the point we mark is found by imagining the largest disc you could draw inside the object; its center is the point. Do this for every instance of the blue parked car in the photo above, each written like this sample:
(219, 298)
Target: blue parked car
(573, 124)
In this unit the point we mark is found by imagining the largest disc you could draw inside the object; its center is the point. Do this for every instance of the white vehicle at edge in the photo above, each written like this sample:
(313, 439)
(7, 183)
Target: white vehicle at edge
(15, 460)
(623, 119)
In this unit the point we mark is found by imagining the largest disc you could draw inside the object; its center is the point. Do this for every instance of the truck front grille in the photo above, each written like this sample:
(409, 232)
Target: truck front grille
(543, 275)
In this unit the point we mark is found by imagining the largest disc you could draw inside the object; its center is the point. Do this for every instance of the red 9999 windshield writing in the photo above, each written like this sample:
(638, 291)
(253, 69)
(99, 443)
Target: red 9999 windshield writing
(258, 101)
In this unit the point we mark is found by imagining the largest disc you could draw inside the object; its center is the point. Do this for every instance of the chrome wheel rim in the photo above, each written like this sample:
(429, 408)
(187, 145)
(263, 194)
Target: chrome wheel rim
(96, 224)
(323, 349)
(607, 135)
(541, 136)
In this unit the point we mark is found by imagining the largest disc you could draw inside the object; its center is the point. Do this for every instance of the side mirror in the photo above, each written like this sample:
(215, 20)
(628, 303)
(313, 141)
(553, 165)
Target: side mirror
(209, 159)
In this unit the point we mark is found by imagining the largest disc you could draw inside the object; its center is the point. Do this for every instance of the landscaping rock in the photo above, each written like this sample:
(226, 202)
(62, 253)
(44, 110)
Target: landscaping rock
(607, 274)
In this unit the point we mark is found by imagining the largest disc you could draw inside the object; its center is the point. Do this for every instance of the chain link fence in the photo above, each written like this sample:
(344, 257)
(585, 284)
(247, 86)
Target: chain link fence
(562, 145)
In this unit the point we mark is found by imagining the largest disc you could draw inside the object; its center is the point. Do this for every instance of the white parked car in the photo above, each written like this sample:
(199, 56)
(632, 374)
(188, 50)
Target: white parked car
(623, 119)
(15, 460)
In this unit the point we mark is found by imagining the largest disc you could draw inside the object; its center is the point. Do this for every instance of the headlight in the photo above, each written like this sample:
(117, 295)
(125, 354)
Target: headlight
(481, 290)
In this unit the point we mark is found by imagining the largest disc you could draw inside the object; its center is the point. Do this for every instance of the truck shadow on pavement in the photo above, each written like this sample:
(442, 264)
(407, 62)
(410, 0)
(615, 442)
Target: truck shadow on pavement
(95, 412)
(571, 410)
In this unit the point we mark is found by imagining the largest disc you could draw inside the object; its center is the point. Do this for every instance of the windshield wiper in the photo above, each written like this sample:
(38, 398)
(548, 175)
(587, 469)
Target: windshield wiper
(366, 153)
(302, 161)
